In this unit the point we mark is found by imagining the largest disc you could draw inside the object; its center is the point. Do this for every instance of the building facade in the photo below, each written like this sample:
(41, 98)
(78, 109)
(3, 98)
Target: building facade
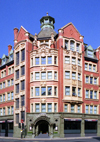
(50, 83)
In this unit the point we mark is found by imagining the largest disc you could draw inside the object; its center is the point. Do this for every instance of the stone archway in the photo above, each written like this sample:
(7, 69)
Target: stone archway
(42, 124)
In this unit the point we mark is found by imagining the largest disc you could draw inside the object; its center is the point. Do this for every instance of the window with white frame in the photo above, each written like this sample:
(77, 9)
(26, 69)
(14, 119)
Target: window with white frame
(49, 90)
(8, 82)
(67, 90)
(22, 70)
(3, 97)
(90, 53)
(36, 60)
(0, 85)
(91, 80)
(12, 81)
(31, 107)
(9, 71)
(73, 60)
(43, 60)
(23, 85)
(87, 79)
(8, 110)
(8, 96)
(79, 92)
(65, 107)
(74, 91)
(43, 107)
(95, 94)
(95, 80)
(17, 88)
(17, 58)
(86, 66)
(95, 109)
(0, 111)
(72, 108)
(37, 107)
(3, 111)
(12, 69)
(79, 76)
(55, 59)
(91, 109)
(67, 59)
(55, 75)
(31, 76)
(55, 91)
(79, 62)
(66, 44)
(12, 95)
(49, 60)
(23, 55)
(73, 75)
(72, 45)
(86, 109)
(37, 91)
(87, 94)
(0, 98)
(31, 91)
(67, 74)
(43, 91)
(77, 47)
(49, 107)
(90, 67)
(43, 75)
(78, 108)
(91, 94)
(55, 107)
(49, 75)
(31, 62)
(3, 84)
(37, 76)
(94, 68)
(17, 74)
(12, 110)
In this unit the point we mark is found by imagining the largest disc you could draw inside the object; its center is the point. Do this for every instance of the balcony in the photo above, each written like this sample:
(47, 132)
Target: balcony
(73, 99)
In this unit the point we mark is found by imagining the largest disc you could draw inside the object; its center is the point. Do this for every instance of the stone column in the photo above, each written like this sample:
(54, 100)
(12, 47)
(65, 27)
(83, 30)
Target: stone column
(33, 136)
(61, 127)
(98, 126)
(37, 130)
(82, 128)
(51, 131)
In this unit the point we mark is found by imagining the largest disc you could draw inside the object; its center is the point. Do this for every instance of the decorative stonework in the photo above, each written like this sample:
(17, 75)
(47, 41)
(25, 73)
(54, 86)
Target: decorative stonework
(43, 69)
(43, 100)
(74, 67)
(67, 51)
(43, 83)
(74, 82)
(74, 53)
(79, 55)
(35, 40)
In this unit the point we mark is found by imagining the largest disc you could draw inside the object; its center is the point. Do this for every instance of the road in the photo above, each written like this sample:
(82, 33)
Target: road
(78, 139)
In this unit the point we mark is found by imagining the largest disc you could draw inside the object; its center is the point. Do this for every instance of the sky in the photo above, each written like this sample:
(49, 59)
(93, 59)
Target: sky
(84, 14)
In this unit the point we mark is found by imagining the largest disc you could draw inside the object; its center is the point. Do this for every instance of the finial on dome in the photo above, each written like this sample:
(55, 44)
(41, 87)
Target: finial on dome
(47, 13)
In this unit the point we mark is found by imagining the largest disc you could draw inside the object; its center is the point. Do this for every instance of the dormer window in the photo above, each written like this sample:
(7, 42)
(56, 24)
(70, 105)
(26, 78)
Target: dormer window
(66, 44)
(72, 45)
(90, 53)
(11, 57)
(3, 61)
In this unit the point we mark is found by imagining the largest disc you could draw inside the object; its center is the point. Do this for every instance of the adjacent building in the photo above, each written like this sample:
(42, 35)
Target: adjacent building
(50, 82)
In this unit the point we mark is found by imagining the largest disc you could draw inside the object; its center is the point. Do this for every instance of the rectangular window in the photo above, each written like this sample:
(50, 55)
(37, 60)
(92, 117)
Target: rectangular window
(79, 76)
(72, 108)
(90, 67)
(43, 107)
(87, 94)
(79, 92)
(17, 58)
(8, 82)
(12, 95)
(3, 97)
(90, 53)
(22, 70)
(67, 74)
(0, 85)
(74, 91)
(12, 110)
(8, 96)
(95, 109)
(95, 80)
(55, 75)
(73, 75)
(91, 94)
(43, 91)
(17, 118)
(37, 77)
(9, 71)
(37, 91)
(67, 59)
(49, 107)
(31, 62)
(91, 80)
(65, 108)
(67, 90)
(22, 100)
(72, 45)
(87, 79)
(32, 92)
(86, 66)
(23, 55)
(49, 60)
(78, 108)
(8, 110)
(66, 44)
(73, 60)
(12, 82)
(78, 47)
(12, 69)
(49, 75)
(86, 109)
(43, 60)
(17, 74)
(49, 90)
(31, 76)
(94, 68)
(3, 111)
(55, 91)
(36, 60)
(95, 94)
(55, 59)
(17, 88)
(43, 75)
(55, 107)
(37, 107)
(0, 98)
(23, 85)
(0, 111)
(17, 103)
(91, 109)
(79, 62)
(31, 107)
(3, 84)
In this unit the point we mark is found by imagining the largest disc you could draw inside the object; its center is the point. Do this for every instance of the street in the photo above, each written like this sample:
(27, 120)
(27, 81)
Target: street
(77, 139)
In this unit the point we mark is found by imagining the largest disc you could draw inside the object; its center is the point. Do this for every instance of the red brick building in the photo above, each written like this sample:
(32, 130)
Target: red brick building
(56, 83)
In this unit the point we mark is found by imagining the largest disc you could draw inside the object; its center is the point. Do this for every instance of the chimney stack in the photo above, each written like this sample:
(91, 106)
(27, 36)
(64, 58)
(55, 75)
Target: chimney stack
(9, 48)
(15, 33)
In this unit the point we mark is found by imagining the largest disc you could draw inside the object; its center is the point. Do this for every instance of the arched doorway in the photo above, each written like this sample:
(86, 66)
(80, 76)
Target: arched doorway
(42, 127)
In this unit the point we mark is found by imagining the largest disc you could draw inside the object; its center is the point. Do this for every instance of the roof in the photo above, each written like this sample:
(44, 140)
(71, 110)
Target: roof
(46, 32)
